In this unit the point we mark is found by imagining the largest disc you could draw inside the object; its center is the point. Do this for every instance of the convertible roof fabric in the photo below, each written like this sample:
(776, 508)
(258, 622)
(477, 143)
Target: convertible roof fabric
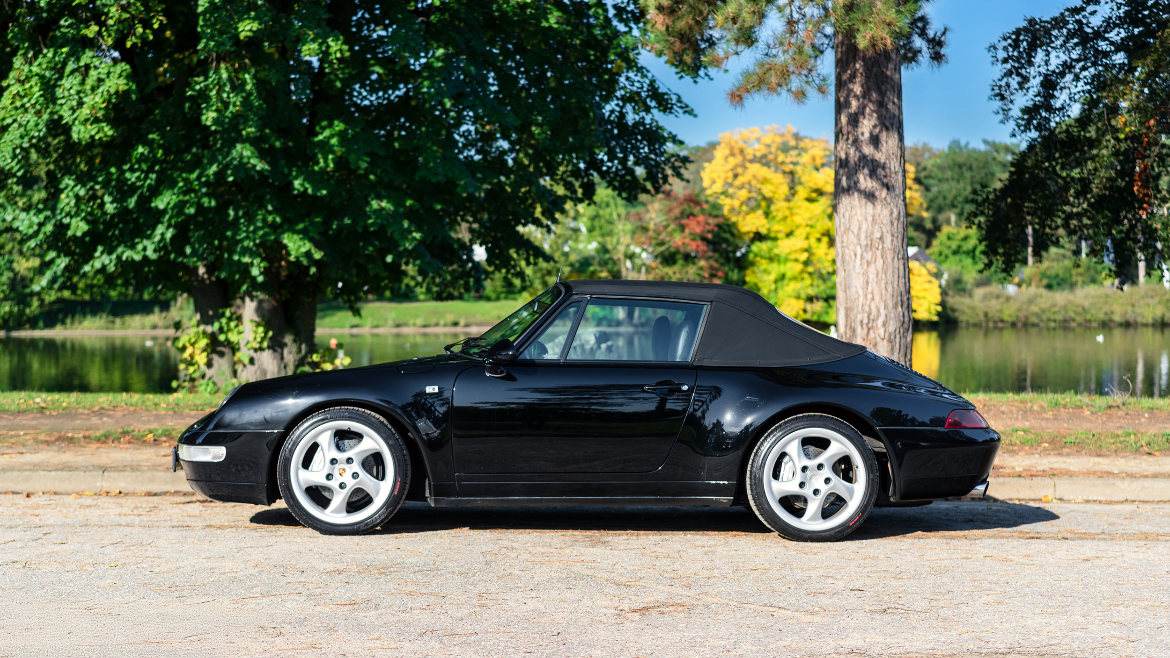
(742, 330)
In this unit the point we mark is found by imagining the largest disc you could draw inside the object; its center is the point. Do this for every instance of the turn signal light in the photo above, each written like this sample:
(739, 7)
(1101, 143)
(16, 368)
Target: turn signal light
(965, 419)
(202, 453)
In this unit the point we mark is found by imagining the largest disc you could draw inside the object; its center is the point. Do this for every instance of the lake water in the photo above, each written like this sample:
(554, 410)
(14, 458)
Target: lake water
(1086, 360)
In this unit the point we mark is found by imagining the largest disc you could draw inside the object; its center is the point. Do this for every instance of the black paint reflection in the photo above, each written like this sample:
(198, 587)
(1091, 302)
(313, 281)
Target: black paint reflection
(556, 418)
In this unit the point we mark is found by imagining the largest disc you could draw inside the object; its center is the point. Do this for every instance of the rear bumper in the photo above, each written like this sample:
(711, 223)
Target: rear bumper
(980, 490)
(931, 463)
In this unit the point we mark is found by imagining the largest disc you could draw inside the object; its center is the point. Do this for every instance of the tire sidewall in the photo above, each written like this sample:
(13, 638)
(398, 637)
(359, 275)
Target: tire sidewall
(756, 487)
(401, 470)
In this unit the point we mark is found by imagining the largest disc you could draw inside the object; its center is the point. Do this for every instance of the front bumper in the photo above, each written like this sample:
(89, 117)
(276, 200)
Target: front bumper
(245, 473)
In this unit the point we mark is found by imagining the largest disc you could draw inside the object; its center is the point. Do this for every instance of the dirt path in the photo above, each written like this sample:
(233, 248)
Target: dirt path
(94, 421)
(1004, 416)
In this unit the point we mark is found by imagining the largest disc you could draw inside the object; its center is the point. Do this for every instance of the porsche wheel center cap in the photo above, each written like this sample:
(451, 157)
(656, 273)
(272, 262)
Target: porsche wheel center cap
(341, 472)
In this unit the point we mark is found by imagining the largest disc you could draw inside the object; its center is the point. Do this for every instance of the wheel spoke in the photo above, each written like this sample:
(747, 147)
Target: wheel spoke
(799, 458)
(362, 450)
(812, 514)
(337, 505)
(325, 444)
(307, 478)
(842, 489)
(372, 486)
(831, 454)
(781, 489)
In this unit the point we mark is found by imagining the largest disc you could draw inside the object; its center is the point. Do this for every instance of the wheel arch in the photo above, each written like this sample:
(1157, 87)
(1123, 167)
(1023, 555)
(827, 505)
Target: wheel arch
(394, 417)
(851, 417)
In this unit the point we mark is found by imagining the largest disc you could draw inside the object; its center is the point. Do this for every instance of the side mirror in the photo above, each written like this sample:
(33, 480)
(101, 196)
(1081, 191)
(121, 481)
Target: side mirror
(504, 351)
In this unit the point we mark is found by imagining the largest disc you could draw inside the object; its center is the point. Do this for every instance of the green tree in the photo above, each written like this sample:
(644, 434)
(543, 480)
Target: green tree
(1088, 90)
(267, 155)
(954, 180)
(871, 41)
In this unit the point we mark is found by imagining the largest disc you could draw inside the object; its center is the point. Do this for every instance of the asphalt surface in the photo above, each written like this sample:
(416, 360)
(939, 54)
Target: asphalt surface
(169, 576)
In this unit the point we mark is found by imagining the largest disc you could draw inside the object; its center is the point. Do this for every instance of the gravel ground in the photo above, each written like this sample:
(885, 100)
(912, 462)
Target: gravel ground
(162, 576)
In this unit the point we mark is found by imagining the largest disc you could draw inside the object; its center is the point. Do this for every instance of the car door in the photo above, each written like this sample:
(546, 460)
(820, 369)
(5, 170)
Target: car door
(603, 389)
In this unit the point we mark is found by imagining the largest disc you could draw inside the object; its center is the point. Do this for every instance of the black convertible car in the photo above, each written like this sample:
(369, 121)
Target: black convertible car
(604, 392)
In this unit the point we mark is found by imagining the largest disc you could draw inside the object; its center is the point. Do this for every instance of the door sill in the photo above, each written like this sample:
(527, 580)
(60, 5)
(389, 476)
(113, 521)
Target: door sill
(593, 500)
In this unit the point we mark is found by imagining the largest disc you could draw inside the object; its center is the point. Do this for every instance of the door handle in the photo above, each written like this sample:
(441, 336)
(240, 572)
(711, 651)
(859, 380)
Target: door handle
(666, 386)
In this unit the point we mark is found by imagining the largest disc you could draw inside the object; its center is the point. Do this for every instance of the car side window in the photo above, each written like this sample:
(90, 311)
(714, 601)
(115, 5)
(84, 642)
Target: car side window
(551, 341)
(637, 330)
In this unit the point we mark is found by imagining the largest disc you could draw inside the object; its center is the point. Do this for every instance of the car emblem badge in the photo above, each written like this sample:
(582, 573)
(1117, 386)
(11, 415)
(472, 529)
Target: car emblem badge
(341, 472)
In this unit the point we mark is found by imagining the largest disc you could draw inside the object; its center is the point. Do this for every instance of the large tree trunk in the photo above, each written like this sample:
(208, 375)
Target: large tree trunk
(292, 325)
(869, 195)
(209, 294)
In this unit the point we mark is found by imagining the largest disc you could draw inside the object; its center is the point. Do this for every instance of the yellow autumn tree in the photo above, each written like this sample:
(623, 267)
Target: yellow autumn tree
(777, 187)
(925, 291)
(915, 202)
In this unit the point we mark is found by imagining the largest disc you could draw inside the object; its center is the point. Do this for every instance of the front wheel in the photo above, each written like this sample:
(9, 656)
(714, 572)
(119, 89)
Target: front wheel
(812, 478)
(343, 471)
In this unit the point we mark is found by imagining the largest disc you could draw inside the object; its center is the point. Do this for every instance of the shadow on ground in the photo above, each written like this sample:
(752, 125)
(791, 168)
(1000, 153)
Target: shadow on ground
(882, 522)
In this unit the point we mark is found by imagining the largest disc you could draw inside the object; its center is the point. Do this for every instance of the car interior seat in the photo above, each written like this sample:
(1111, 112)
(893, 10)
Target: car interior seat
(684, 336)
(660, 339)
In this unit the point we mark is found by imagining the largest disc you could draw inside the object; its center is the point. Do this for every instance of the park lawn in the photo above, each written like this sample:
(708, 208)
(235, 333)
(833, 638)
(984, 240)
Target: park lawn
(1019, 440)
(379, 315)
(42, 402)
(1069, 400)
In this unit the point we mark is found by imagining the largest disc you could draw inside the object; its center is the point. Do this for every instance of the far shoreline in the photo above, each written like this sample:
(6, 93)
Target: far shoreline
(170, 333)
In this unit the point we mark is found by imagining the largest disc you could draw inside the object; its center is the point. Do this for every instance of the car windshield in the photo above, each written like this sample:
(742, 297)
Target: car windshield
(515, 324)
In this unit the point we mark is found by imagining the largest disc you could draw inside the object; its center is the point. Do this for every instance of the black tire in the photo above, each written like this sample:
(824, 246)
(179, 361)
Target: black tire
(396, 473)
(778, 512)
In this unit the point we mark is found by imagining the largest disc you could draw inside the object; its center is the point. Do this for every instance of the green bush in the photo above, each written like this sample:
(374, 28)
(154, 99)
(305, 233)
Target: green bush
(1137, 306)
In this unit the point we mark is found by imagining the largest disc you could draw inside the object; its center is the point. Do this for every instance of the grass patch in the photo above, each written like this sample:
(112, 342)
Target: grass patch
(989, 306)
(16, 401)
(1069, 400)
(377, 315)
(1124, 441)
(120, 316)
(153, 436)
(124, 316)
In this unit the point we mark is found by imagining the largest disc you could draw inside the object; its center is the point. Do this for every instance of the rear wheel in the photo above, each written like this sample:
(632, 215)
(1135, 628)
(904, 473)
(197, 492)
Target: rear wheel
(812, 478)
(343, 471)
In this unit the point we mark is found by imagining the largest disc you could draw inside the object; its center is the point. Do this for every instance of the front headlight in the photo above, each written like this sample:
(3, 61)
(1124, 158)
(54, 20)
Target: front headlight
(202, 453)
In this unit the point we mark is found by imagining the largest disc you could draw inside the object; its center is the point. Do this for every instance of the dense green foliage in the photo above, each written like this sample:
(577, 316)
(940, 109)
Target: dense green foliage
(1089, 91)
(1036, 306)
(285, 152)
(953, 182)
(678, 234)
(697, 35)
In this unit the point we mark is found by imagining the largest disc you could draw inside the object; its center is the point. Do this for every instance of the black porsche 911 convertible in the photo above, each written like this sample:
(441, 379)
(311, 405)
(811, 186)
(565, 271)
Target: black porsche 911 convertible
(604, 392)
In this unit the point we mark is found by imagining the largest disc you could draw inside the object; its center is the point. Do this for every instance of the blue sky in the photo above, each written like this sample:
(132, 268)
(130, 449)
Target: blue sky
(940, 104)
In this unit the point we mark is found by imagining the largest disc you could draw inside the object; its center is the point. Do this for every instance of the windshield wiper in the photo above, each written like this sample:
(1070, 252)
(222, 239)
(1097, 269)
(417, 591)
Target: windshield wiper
(466, 341)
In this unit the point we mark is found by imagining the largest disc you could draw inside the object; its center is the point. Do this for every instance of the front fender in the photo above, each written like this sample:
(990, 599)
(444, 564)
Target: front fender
(414, 395)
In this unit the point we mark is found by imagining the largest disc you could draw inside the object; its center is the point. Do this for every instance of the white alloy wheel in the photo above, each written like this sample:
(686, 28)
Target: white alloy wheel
(812, 478)
(343, 471)
(340, 472)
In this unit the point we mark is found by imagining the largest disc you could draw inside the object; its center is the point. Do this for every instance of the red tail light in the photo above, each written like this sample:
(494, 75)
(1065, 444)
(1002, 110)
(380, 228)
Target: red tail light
(966, 419)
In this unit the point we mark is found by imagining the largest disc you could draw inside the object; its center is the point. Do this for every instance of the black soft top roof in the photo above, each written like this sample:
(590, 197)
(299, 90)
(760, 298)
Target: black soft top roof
(742, 330)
